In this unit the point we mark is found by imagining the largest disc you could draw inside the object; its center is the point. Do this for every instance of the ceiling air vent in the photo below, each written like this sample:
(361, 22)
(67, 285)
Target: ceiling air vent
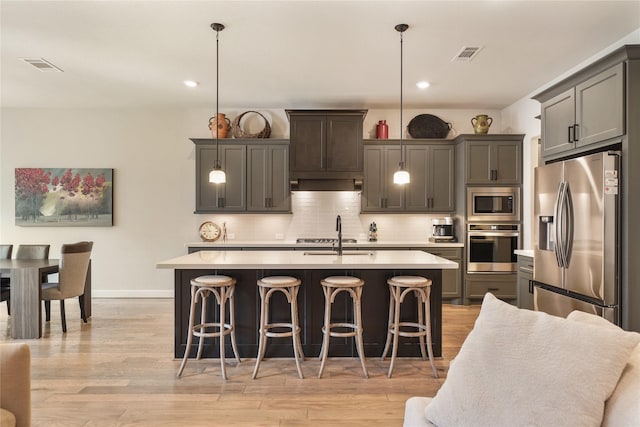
(42, 64)
(467, 53)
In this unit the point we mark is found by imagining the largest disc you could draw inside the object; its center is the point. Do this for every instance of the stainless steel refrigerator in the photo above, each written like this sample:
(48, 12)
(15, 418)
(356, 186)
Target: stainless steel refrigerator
(577, 236)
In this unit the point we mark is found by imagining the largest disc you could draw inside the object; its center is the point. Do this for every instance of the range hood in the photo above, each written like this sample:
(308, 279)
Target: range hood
(326, 184)
(326, 150)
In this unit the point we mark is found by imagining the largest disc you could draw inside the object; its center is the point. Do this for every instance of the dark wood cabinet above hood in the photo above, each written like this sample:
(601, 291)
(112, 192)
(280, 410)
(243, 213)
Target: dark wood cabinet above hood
(326, 149)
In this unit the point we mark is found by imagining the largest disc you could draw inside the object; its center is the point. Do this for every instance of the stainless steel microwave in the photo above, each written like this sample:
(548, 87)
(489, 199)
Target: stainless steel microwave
(493, 204)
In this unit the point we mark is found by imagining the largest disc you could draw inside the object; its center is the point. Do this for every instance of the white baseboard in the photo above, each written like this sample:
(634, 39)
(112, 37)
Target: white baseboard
(128, 293)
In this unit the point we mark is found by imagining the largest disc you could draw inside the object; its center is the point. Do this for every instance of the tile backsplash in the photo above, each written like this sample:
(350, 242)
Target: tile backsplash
(314, 215)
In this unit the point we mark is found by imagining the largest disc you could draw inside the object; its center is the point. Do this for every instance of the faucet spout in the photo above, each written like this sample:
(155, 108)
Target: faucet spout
(339, 230)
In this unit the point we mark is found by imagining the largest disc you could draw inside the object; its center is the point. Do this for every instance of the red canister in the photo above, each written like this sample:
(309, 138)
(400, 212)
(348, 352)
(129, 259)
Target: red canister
(382, 130)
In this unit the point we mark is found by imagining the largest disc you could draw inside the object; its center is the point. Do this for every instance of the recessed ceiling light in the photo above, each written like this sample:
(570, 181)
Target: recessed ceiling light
(423, 84)
(191, 83)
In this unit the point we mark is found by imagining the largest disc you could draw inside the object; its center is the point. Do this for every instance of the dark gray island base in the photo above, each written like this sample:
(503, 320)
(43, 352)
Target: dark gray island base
(375, 306)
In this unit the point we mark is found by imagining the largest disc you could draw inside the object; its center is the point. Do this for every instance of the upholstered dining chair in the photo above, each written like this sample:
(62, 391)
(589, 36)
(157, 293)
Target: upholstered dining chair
(74, 264)
(5, 289)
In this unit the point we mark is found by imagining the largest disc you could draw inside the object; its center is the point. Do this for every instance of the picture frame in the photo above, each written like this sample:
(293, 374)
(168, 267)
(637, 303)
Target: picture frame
(64, 197)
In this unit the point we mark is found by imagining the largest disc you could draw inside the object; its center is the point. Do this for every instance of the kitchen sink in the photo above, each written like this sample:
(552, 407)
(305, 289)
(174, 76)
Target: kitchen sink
(333, 253)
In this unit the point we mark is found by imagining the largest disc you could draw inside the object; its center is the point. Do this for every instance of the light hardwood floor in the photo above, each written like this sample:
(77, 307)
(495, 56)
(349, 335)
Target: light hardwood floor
(119, 370)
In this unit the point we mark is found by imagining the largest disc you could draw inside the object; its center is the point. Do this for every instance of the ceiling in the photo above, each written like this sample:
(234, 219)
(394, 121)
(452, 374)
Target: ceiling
(297, 54)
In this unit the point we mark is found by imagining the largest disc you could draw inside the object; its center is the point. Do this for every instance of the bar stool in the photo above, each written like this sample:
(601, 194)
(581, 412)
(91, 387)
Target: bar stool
(332, 286)
(399, 287)
(222, 287)
(289, 286)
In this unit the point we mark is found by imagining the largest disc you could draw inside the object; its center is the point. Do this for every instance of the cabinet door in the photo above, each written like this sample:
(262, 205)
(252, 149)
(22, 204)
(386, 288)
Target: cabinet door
(344, 144)
(279, 178)
(600, 107)
(558, 115)
(379, 193)
(441, 179)
(417, 192)
(308, 136)
(268, 178)
(372, 186)
(221, 197)
(451, 279)
(525, 273)
(506, 162)
(478, 162)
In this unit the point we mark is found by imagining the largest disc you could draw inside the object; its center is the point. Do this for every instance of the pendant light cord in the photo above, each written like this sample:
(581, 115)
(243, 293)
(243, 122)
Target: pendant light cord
(401, 62)
(217, 93)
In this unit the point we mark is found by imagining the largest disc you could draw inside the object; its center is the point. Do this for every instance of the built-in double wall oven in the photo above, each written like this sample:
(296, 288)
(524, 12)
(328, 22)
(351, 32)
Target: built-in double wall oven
(493, 229)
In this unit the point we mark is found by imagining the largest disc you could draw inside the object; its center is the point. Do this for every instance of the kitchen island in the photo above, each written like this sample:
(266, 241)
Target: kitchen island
(374, 267)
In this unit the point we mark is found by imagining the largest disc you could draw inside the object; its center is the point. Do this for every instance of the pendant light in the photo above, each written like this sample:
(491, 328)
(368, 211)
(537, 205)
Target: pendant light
(401, 176)
(217, 175)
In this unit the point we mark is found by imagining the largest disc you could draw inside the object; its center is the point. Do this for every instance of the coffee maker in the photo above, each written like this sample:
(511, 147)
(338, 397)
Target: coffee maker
(442, 230)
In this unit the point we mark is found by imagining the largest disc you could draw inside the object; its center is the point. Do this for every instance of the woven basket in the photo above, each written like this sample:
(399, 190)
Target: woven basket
(237, 131)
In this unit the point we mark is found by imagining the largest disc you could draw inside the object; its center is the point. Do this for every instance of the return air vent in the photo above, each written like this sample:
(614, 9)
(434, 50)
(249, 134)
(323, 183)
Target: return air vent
(42, 65)
(467, 53)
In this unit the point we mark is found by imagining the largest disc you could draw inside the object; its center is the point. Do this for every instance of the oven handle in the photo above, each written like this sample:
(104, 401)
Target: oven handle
(494, 234)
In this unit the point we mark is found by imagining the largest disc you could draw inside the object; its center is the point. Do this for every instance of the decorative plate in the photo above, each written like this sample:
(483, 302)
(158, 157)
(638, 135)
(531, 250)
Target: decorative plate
(428, 126)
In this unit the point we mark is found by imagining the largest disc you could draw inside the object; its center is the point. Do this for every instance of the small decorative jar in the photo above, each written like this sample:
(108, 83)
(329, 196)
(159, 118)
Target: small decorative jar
(382, 130)
(481, 123)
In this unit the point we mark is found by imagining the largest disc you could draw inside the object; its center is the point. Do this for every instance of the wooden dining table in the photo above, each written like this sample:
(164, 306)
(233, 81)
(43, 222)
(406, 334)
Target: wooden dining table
(26, 291)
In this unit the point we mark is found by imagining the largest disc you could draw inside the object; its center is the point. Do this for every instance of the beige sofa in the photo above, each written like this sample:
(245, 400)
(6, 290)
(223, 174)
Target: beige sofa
(519, 367)
(15, 385)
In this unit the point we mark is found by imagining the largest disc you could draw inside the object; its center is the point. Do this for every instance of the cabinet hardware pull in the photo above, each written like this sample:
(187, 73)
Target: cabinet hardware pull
(493, 289)
(575, 132)
(569, 137)
(221, 202)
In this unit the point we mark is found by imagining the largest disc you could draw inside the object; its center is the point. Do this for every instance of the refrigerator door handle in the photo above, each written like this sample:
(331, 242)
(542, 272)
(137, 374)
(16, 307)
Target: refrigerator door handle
(557, 213)
(568, 237)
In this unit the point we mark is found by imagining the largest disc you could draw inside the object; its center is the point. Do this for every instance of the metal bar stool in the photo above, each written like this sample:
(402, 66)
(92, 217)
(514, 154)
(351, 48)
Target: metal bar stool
(332, 286)
(289, 286)
(399, 287)
(222, 287)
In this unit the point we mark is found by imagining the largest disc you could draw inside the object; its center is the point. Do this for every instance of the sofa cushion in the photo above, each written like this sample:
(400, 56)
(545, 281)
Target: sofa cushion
(414, 412)
(623, 407)
(521, 367)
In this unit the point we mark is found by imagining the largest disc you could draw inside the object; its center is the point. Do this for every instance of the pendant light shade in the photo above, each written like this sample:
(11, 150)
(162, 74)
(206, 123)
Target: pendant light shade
(401, 176)
(217, 175)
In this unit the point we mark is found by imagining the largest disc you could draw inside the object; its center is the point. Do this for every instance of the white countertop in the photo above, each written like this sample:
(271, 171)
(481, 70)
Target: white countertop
(290, 243)
(524, 252)
(247, 260)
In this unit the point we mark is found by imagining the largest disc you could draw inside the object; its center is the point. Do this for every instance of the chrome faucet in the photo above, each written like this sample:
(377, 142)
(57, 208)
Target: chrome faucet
(339, 230)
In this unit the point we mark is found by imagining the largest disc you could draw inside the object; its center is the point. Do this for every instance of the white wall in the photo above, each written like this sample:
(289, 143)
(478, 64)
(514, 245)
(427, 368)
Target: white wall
(154, 196)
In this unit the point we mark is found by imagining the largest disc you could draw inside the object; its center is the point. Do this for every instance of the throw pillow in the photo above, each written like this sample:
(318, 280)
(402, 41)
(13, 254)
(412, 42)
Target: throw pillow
(528, 368)
(623, 407)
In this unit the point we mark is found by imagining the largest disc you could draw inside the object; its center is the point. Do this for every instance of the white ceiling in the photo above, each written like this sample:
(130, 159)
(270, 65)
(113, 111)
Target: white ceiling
(298, 54)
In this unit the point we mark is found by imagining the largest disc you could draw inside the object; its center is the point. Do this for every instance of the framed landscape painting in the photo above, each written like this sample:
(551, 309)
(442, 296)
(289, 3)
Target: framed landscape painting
(64, 197)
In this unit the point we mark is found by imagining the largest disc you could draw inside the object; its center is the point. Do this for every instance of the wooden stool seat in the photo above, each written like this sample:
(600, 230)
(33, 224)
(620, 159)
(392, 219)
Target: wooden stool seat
(399, 288)
(331, 287)
(289, 286)
(222, 287)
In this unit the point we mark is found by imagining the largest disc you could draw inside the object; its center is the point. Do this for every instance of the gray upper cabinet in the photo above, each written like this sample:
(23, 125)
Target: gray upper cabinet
(590, 112)
(432, 178)
(326, 141)
(257, 176)
(493, 159)
(268, 178)
(228, 197)
(379, 193)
